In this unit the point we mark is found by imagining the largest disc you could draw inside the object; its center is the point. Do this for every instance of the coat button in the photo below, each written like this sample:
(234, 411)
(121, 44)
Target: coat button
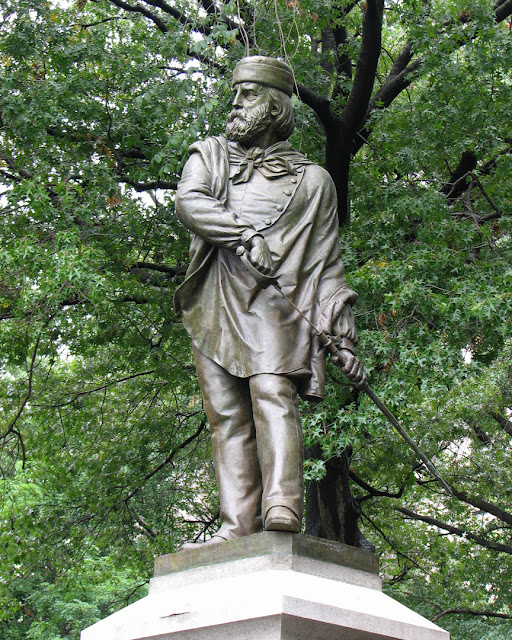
(268, 221)
(288, 192)
(300, 169)
(293, 180)
(279, 207)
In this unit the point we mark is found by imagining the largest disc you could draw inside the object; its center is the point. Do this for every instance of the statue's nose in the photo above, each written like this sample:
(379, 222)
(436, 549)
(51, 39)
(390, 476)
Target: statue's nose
(237, 100)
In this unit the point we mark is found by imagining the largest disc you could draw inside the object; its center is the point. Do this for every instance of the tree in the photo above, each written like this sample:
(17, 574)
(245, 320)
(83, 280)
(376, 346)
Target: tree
(104, 438)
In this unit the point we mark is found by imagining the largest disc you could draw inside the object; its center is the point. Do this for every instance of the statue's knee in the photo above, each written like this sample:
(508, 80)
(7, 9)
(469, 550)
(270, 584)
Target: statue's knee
(271, 386)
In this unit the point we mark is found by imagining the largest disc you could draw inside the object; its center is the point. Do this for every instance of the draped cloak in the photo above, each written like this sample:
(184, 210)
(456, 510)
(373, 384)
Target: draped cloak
(245, 329)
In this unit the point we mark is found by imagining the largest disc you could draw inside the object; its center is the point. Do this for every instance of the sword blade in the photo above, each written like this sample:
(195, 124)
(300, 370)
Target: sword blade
(292, 304)
(265, 281)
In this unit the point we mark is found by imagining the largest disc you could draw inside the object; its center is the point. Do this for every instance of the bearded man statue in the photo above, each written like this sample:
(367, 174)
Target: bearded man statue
(251, 194)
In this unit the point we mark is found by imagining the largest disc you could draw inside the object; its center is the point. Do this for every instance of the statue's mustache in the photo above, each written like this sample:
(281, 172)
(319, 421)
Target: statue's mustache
(237, 114)
(242, 123)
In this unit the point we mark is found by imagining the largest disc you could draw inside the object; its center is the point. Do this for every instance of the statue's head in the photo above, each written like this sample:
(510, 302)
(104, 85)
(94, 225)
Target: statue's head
(263, 88)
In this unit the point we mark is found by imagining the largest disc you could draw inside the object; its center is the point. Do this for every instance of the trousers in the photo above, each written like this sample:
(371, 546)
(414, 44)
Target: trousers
(256, 442)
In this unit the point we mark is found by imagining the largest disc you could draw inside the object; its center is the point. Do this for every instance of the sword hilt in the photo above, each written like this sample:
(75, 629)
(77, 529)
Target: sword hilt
(262, 280)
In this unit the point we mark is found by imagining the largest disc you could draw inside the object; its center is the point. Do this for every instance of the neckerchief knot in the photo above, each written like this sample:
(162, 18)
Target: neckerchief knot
(270, 162)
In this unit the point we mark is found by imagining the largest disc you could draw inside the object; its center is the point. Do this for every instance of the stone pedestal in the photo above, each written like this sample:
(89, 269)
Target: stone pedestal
(269, 586)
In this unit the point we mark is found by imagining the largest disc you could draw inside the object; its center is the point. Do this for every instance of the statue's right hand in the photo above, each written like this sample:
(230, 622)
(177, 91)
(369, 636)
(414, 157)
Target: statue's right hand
(351, 367)
(260, 256)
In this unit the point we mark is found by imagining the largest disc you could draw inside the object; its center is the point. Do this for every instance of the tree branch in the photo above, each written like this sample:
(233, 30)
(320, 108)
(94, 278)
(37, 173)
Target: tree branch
(9, 176)
(471, 612)
(366, 66)
(505, 424)
(373, 493)
(86, 25)
(344, 63)
(479, 433)
(483, 542)
(11, 163)
(465, 183)
(399, 77)
(422, 599)
(179, 16)
(166, 461)
(386, 538)
(146, 186)
(70, 302)
(206, 525)
(163, 268)
(319, 104)
(162, 26)
(79, 394)
(390, 90)
(351, 5)
(486, 168)
(136, 8)
(211, 9)
(502, 10)
(145, 526)
(484, 193)
(328, 43)
(458, 181)
(12, 424)
(488, 507)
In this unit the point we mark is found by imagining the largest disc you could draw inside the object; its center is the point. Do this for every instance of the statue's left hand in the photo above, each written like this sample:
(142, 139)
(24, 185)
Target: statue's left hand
(351, 367)
(260, 257)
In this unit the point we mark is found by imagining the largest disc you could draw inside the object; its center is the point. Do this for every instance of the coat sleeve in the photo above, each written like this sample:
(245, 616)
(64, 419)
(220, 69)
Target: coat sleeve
(334, 297)
(201, 210)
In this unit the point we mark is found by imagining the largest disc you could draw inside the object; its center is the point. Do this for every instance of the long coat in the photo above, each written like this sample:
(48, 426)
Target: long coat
(245, 329)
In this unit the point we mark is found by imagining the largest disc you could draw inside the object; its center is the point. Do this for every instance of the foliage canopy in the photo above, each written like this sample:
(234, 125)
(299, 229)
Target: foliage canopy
(105, 453)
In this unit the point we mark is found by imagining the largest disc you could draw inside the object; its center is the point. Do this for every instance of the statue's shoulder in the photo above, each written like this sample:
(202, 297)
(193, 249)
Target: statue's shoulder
(318, 176)
(317, 170)
(211, 155)
(209, 158)
(210, 146)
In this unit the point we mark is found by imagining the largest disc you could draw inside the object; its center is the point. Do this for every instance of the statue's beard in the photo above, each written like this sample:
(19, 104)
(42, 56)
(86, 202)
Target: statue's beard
(245, 126)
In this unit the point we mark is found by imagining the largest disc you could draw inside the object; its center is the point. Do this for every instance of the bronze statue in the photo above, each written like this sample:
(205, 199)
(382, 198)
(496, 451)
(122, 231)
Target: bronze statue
(250, 193)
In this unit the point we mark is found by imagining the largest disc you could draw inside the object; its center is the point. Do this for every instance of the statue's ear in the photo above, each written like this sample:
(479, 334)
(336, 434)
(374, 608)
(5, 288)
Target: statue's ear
(275, 110)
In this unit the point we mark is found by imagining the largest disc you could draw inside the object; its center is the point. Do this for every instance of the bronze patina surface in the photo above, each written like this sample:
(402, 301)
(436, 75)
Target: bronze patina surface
(268, 543)
(250, 193)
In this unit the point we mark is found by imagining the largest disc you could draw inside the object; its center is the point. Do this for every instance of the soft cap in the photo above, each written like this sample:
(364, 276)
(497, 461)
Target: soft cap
(268, 71)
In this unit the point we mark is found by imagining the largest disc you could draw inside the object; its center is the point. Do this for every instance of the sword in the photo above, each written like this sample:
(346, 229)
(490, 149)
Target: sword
(266, 281)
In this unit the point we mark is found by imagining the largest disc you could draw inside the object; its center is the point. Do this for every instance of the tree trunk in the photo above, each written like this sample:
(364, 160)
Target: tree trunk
(331, 511)
(338, 155)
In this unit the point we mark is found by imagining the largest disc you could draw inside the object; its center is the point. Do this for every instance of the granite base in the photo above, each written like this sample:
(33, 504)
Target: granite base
(269, 586)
